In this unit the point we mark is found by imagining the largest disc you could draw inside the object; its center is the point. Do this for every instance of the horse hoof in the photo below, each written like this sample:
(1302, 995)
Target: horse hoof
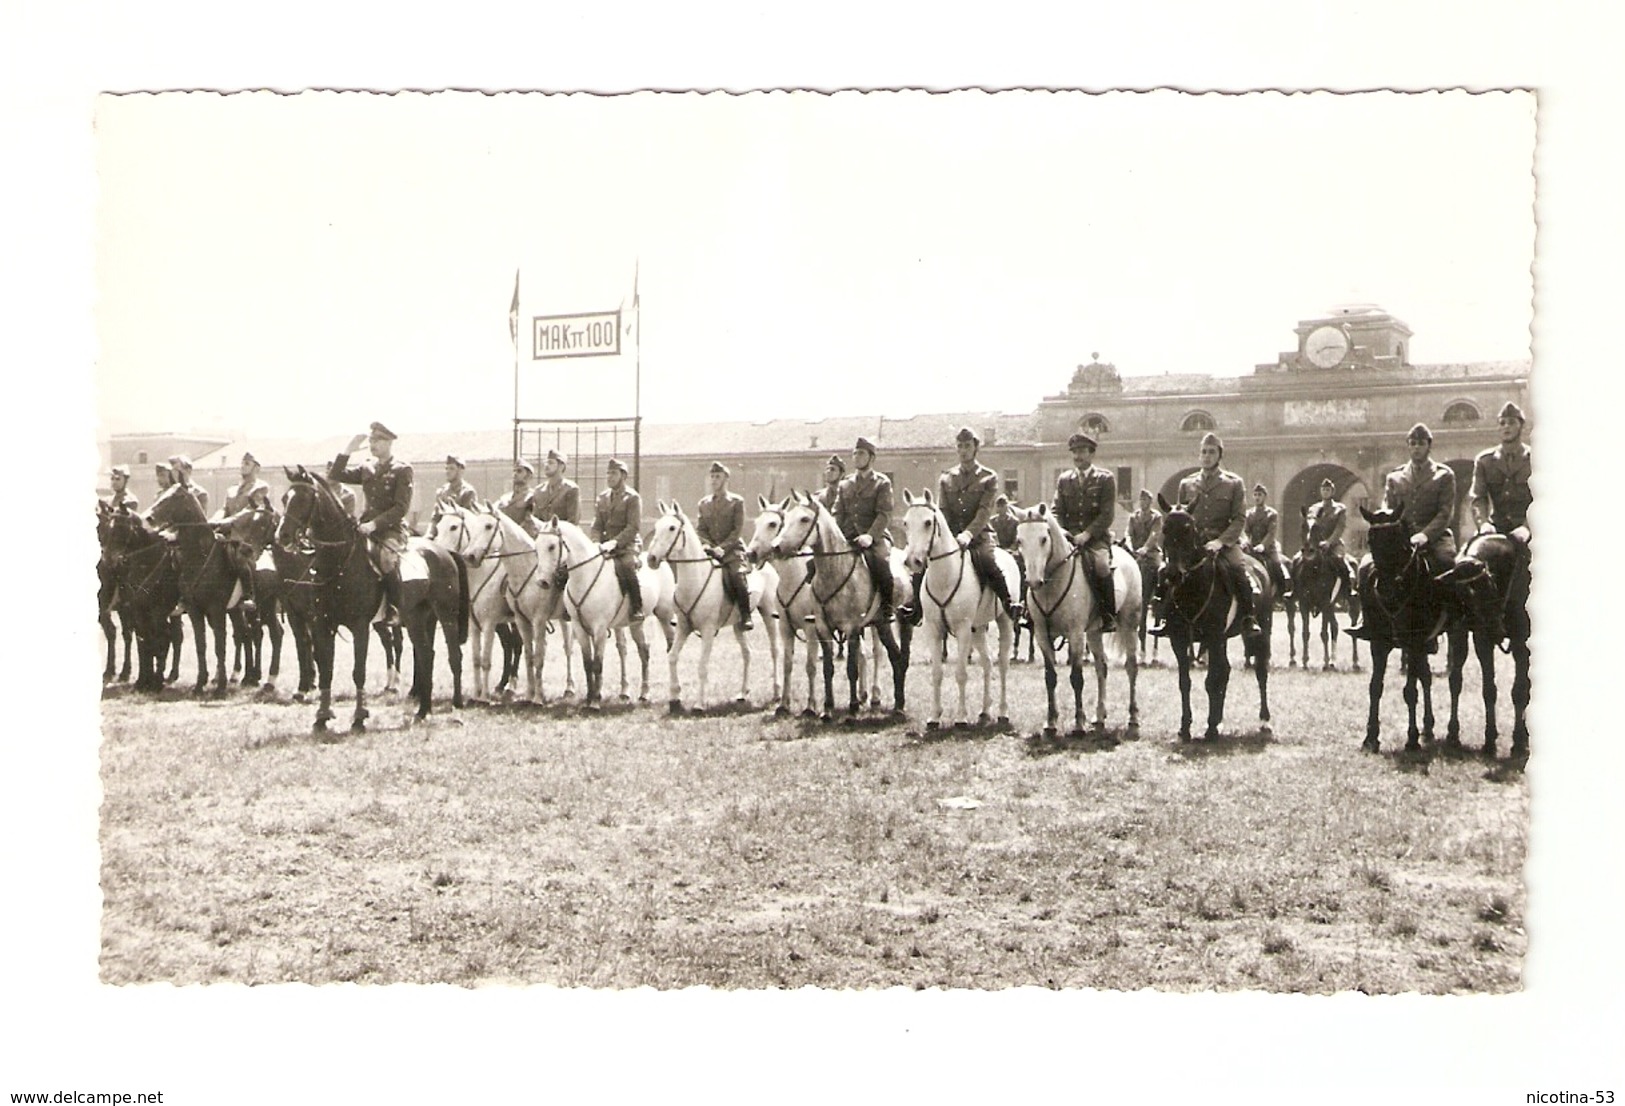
(1370, 745)
(675, 706)
(933, 725)
(962, 725)
(358, 726)
(1488, 752)
(1050, 732)
(1293, 663)
(984, 719)
(784, 712)
(1212, 734)
(1265, 729)
(1075, 735)
(826, 718)
(569, 693)
(1003, 721)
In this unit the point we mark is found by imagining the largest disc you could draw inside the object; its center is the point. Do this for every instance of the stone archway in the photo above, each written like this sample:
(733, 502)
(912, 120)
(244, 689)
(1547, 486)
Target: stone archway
(1464, 484)
(1170, 486)
(1304, 489)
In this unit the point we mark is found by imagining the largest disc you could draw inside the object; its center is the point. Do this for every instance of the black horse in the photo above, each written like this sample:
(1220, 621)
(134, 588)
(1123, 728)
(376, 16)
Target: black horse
(1403, 607)
(1491, 578)
(1197, 609)
(1316, 584)
(346, 590)
(107, 601)
(148, 585)
(208, 579)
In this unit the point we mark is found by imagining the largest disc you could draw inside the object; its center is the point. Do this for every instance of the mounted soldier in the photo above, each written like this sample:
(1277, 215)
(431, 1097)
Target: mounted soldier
(386, 489)
(518, 503)
(1262, 531)
(834, 470)
(556, 497)
(720, 525)
(181, 464)
(121, 499)
(1216, 499)
(454, 491)
(250, 491)
(863, 509)
(1323, 524)
(1424, 493)
(616, 527)
(1500, 492)
(966, 495)
(1145, 530)
(1085, 505)
(1004, 523)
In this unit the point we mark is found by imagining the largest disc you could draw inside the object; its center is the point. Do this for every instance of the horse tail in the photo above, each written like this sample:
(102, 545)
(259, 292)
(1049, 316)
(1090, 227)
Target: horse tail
(462, 600)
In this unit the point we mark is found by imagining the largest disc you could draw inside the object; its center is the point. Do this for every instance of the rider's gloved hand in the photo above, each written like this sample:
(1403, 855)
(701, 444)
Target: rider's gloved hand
(1214, 546)
(963, 538)
(1419, 538)
(864, 541)
(607, 547)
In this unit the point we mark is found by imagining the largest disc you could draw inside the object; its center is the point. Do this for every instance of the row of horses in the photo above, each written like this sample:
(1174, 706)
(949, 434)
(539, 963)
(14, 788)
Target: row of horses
(477, 569)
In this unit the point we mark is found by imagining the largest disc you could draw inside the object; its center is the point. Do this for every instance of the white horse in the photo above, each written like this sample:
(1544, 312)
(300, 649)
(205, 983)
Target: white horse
(1062, 604)
(954, 602)
(844, 591)
(594, 600)
(472, 537)
(798, 609)
(702, 605)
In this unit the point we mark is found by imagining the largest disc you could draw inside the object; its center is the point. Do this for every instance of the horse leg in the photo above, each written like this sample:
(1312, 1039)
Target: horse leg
(1182, 658)
(106, 621)
(1291, 635)
(826, 647)
(322, 654)
(674, 684)
(744, 660)
(1132, 665)
(854, 671)
(983, 653)
(567, 632)
(620, 653)
(1218, 681)
(642, 642)
(707, 640)
(1455, 663)
(454, 655)
(1486, 665)
(1411, 659)
(1520, 691)
(1261, 672)
(967, 644)
(1098, 647)
(1373, 724)
(1052, 713)
(1075, 660)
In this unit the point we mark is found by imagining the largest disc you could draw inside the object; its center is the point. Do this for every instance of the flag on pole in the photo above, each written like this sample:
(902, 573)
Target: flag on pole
(513, 311)
(633, 322)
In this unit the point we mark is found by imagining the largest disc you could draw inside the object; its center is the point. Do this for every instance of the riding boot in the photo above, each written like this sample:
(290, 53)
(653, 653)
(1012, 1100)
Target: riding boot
(913, 612)
(1241, 590)
(392, 600)
(742, 599)
(1001, 588)
(627, 574)
(1106, 601)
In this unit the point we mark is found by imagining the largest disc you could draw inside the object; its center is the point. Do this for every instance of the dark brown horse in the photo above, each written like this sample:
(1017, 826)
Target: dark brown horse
(148, 587)
(1491, 579)
(208, 581)
(107, 601)
(1196, 609)
(1403, 607)
(251, 533)
(347, 591)
(1315, 591)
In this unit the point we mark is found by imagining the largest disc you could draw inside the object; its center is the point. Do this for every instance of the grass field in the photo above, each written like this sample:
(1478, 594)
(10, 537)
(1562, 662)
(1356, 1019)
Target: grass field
(540, 845)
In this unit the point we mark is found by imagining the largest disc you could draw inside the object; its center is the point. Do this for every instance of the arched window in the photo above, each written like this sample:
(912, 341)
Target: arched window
(1094, 423)
(1459, 413)
(1198, 420)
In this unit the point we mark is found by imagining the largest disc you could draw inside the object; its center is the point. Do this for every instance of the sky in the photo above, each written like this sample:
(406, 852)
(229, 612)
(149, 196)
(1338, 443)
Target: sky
(301, 265)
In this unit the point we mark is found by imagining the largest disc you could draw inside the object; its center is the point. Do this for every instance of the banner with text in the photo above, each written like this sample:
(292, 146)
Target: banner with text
(596, 334)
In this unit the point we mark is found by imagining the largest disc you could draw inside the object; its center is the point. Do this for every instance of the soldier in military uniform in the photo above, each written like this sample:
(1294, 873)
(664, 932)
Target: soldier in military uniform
(720, 524)
(182, 466)
(164, 473)
(1004, 523)
(121, 499)
(1085, 504)
(240, 496)
(1216, 499)
(863, 507)
(966, 494)
(454, 491)
(1145, 529)
(834, 470)
(1500, 493)
(556, 497)
(1323, 526)
(1424, 493)
(616, 527)
(386, 490)
(519, 503)
(1262, 531)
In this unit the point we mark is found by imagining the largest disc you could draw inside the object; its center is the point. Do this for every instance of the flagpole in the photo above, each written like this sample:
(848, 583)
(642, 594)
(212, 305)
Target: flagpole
(637, 383)
(513, 334)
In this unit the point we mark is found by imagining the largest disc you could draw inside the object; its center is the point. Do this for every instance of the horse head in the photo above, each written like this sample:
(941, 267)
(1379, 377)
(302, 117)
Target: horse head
(552, 559)
(769, 523)
(801, 517)
(1038, 537)
(1181, 545)
(922, 525)
(1390, 546)
(670, 530)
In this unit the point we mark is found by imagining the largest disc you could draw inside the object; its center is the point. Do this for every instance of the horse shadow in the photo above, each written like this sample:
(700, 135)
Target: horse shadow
(1088, 742)
(1225, 745)
(957, 731)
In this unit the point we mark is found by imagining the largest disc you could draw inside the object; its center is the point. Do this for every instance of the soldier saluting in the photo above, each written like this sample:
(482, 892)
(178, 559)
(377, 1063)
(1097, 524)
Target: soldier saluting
(386, 490)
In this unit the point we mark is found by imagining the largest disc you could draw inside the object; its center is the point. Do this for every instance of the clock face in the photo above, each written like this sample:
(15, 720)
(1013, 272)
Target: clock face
(1326, 346)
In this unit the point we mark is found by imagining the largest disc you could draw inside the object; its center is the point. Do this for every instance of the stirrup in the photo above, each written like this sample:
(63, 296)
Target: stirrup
(1358, 632)
(1159, 630)
(1108, 622)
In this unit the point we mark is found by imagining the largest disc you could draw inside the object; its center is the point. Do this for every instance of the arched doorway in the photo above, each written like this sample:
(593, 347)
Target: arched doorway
(1170, 486)
(1464, 512)
(1304, 489)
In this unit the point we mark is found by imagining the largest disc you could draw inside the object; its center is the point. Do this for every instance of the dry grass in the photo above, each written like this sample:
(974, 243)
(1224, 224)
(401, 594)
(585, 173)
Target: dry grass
(537, 845)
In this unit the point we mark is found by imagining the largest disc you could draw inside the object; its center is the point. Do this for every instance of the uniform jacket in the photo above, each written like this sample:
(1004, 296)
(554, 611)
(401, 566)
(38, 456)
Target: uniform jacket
(863, 505)
(465, 497)
(1004, 530)
(1325, 521)
(200, 494)
(967, 498)
(1217, 503)
(1261, 526)
(347, 499)
(240, 495)
(520, 506)
(123, 501)
(1500, 488)
(721, 521)
(1145, 531)
(386, 490)
(619, 518)
(562, 502)
(1086, 502)
(1426, 498)
(827, 495)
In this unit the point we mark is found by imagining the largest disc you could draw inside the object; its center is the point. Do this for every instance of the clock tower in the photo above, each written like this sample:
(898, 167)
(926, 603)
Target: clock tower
(1349, 336)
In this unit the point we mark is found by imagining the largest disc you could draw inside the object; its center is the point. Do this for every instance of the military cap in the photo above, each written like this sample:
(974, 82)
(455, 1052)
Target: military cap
(524, 464)
(120, 470)
(966, 434)
(250, 459)
(718, 466)
(1213, 439)
(181, 461)
(379, 430)
(1001, 501)
(164, 466)
(1511, 411)
(1328, 483)
(1145, 493)
(1080, 439)
(866, 445)
(555, 455)
(453, 459)
(615, 466)
(836, 462)
(1261, 488)
(1419, 433)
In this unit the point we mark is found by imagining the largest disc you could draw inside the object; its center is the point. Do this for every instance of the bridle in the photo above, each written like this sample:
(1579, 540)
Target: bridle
(1072, 560)
(774, 554)
(930, 558)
